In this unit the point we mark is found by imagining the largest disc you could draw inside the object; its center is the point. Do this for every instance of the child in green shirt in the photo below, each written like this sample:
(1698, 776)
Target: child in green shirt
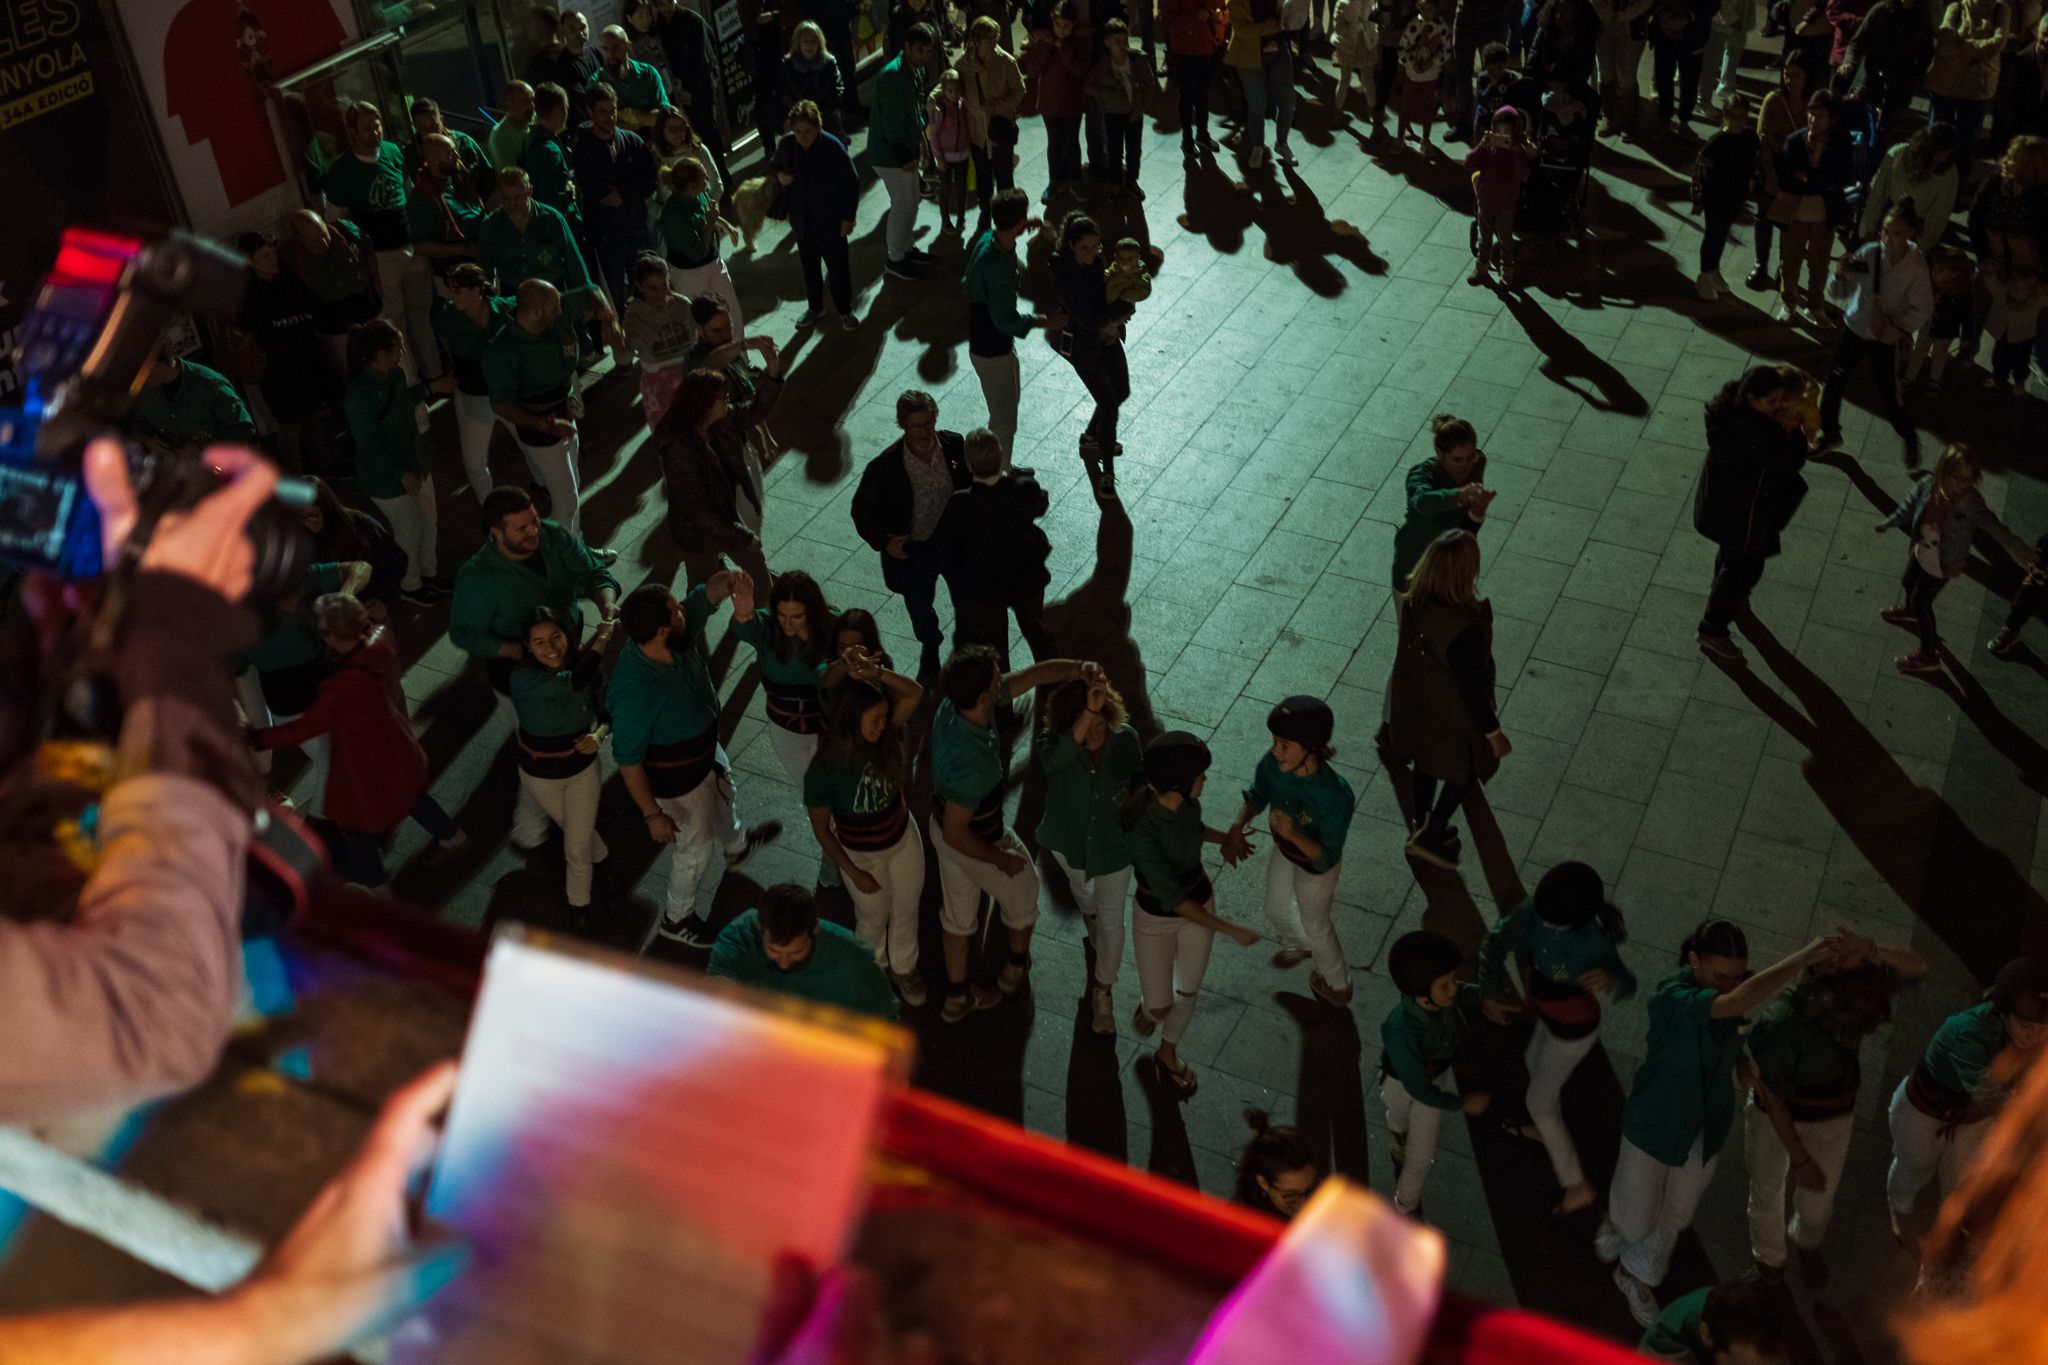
(1421, 1038)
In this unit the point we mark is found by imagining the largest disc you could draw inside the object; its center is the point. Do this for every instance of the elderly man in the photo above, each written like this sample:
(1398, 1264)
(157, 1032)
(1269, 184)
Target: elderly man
(366, 184)
(636, 85)
(443, 213)
(903, 492)
(615, 179)
(530, 371)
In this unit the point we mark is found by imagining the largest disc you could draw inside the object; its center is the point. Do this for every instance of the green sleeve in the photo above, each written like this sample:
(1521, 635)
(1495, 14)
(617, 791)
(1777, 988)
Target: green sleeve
(697, 607)
(1259, 795)
(572, 255)
(630, 723)
(1508, 936)
(1335, 803)
(1058, 752)
(752, 631)
(229, 420)
(1155, 869)
(323, 578)
(469, 618)
(660, 89)
(1424, 498)
(730, 957)
(1404, 1059)
(587, 572)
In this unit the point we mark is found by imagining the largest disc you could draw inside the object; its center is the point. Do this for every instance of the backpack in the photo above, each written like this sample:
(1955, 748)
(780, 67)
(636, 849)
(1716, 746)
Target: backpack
(1674, 17)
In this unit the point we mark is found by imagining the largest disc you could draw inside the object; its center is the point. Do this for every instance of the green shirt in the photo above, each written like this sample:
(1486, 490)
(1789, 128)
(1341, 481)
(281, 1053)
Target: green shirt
(1676, 1334)
(371, 191)
(966, 765)
(1962, 1048)
(495, 597)
(379, 408)
(1421, 1043)
(851, 788)
(522, 366)
(638, 87)
(545, 249)
(1166, 853)
(1433, 508)
(550, 703)
(688, 231)
(662, 703)
(1084, 799)
(791, 670)
(1320, 806)
(991, 279)
(1803, 1063)
(896, 127)
(547, 164)
(1552, 951)
(1685, 1088)
(840, 970)
(462, 337)
(197, 407)
(507, 142)
(336, 273)
(445, 217)
(288, 637)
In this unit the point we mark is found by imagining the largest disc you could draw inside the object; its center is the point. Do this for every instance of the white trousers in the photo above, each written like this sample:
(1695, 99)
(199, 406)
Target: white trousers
(887, 920)
(793, 751)
(1920, 1153)
(1551, 1061)
(1002, 380)
(474, 424)
(393, 268)
(555, 467)
(1650, 1203)
(571, 802)
(1172, 956)
(962, 880)
(903, 199)
(415, 520)
(1299, 904)
(714, 279)
(529, 818)
(707, 821)
(1415, 1126)
(1770, 1166)
(1101, 901)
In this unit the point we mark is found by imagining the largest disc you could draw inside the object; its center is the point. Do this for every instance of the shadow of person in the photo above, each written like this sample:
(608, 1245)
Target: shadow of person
(1094, 621)
(1329, 1106)
(2028, 755)
(1570, 364)
(1095, 1092)
(1214, 207)
(1172, 1156)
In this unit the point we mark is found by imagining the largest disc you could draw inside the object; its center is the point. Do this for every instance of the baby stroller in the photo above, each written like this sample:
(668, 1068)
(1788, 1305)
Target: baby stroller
(1554, 200)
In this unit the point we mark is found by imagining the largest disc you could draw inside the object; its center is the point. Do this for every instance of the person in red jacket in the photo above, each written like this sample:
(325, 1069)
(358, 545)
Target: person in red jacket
(376, 770)
(1191, 58)
(1056, 63)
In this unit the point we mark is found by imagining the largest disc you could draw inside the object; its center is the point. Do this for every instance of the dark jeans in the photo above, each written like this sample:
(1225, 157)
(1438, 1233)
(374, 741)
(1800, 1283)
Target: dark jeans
(916, 581)
(1107, 377)
(2009, 360)
(1719, 218)
(994, 169)
(1968, 117)
(1123, 142)
(1921, 589)
(1062, 149)
(988, 623)
(1851, 351)
(1764, 228)
(1434, 806)
(1735, 576)
(839, 42)
(2026, 601)
(819, 257)
(359, 854)
(615, 257)
(953, 189)
(1675, 66)
(1191, 77)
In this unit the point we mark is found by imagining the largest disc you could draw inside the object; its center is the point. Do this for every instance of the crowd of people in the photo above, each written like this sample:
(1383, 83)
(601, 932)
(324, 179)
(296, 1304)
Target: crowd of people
(596, 215)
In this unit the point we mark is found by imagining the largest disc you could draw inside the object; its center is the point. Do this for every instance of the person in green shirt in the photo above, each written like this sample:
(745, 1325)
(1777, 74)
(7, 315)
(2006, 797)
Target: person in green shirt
(1565, 941)
(1683, 1102)
(665, 737)
(994, 322)
(1737, 1323)
(184, 406)
(524, 563)
(366, 182)
(793, 642)
(470, 178)
(641, 93)
(782, 946)
(1176, 923)
(558, 694)
(1311, 808)
(976, 853)
(546, 159)
(1420, 1039)
(466, 322)
(443, 216)
(895, 137)
(391, 461)
(526, 240)
(1445, 493)
(1092, 761)
(1804, 1069)
(507, 141)
(853, 793)
(1942, 1110)
(530, 373)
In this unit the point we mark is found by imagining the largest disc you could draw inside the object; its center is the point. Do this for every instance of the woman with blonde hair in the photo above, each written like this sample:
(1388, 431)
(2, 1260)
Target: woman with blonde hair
(2011, 206)
(1441, 716)
(811, 72)
(1942, 515)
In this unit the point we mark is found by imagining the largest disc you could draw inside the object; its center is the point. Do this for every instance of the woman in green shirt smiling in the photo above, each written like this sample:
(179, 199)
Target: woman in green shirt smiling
(391, 466)
(559, 696)
(1091, 758)
(793, 641)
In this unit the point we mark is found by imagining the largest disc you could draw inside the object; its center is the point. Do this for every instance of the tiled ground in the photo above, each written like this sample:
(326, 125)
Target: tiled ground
(1283, 373)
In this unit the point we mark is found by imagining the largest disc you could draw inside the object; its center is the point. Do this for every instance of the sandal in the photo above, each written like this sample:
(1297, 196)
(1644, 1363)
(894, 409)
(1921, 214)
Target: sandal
(1183, 1080)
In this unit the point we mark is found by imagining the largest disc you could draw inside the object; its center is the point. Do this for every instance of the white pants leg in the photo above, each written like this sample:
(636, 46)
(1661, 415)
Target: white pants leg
(418, 287)
(793, 751)
(1551, 1062)
(1002, 381)
(474, 425)
(1415, 1125)
(1920, 1153)
(255, 710)
(902, 188)
(1101, 901)
(713, 279)
(392, 268)
(415, 525)
(529, 821)
(555, 467)
(1650, 1203)
(1299, 904)
(1770, 1165)
(1827, 1142)
(698, 831)
(962, 880)
(1172, 956)
(571, 802)
(887, 920)
(727, 831)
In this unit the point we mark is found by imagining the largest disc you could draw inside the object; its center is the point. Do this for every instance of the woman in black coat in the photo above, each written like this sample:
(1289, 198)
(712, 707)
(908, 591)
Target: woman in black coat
(810, 71)
(822, 190)
(1093, 341)
(1749, 488)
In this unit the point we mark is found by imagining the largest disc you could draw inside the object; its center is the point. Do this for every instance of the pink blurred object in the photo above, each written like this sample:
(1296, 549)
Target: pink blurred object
(1351, 1282)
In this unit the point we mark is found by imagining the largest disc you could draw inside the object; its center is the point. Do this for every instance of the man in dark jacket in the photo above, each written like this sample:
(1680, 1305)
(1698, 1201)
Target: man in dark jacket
(992, 553)
(686, 39)
(1890, 54)
(903, 494)
(1748, 490)
(823, 189)
(615, 179)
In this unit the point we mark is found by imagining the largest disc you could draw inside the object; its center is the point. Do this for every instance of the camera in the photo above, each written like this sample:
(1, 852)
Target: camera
(83, 353)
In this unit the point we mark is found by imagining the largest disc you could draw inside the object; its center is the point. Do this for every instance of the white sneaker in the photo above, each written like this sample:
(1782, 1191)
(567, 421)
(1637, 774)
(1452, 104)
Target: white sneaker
(1607, 1243)
(1642, 1304)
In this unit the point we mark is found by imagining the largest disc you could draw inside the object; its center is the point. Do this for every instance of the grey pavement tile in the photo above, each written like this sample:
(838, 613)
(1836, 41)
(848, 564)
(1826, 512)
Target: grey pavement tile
(1768, 883)
(1551, 530)
(1528, 778)
(1639, 521)
(1339, 610)
(1552, 701)
(1581, 480)
(1690, 818)
(1202, 685)
(1783, 804)
(1644, 685)
(1618, 756)
(1663, 898)
(1286, 562)
(1298, 664)
(1586, 826)
(1718, 743)
(1521, 586)
(1611, 575)
(1581, 634)
(1324, 509)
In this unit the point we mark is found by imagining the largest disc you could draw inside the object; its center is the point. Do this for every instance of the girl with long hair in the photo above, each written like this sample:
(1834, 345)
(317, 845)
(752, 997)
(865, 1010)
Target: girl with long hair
(391, 460)
(1942, 515)
(1092, 759)
(853, 791)
(557, 691)
(673, 138)
(857, 627)
(342, 535)
(793, 641)
(1565, 940)
(1683, 1102)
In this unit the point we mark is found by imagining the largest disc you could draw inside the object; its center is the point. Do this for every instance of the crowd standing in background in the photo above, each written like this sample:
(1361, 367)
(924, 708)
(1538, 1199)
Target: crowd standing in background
(610, 207)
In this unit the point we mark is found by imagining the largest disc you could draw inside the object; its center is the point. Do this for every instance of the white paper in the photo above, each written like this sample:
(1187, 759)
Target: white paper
(628, 1156)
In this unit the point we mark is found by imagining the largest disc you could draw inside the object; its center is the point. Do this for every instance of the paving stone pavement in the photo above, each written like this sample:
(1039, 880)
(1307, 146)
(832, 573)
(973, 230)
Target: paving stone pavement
(1283, 375)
